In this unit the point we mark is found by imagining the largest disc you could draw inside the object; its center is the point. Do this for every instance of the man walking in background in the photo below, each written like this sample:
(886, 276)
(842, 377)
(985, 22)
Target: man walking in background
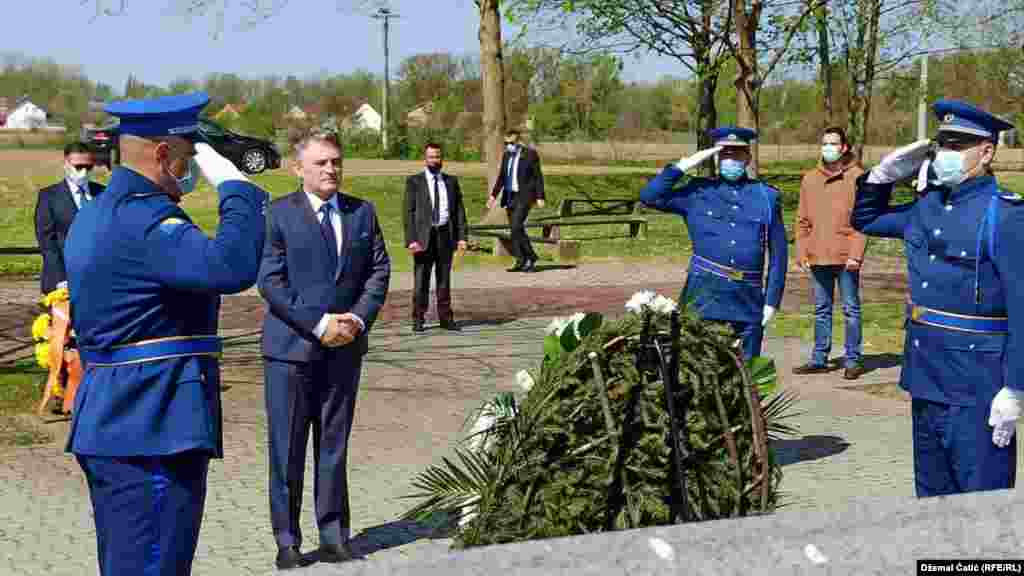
(435, 224)
(521, 185)
(832, 250)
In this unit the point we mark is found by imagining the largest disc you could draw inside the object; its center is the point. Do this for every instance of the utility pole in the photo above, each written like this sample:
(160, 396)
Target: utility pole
(385, 14)
(922, 105)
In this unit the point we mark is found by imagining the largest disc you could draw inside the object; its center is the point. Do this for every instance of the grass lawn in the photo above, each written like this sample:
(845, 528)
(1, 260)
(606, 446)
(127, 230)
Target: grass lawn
(666, 239)
(19, 392)
(881, 325)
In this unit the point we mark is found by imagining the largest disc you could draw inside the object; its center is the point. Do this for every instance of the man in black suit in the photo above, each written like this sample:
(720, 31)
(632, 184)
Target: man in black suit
(56, 207)
(521, 185)
(435, 224)
(325, 275)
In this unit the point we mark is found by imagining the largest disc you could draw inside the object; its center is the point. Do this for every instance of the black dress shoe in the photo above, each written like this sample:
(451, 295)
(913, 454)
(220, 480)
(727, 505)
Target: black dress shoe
(289, 557)
(810, 369)
(853, 372)
(518, 266)
(530, 266)
(450, 325)
(334, 553)
(417, 326)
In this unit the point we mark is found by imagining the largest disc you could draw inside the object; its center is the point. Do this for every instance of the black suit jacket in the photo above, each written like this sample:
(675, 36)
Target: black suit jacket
(300, 287)
(528, 174)
(418, 209)
(55, 209)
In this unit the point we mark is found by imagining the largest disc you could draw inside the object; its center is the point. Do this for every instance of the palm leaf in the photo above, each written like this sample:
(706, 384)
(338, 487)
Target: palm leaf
(450, 487)
(776, 409)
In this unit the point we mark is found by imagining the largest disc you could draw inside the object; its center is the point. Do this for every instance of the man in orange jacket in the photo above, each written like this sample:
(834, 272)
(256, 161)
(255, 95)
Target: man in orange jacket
(830, 249)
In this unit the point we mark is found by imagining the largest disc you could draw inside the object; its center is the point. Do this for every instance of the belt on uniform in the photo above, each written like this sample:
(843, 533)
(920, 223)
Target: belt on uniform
(734, 274)
(152, 350)
(959, 322)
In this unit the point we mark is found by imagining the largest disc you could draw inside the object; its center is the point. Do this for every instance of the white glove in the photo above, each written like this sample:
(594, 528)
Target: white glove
(62, 284)
(1006, 409)
(769, 313)
(687, 162)
(900, 164)
(216, 168)
(922, 175)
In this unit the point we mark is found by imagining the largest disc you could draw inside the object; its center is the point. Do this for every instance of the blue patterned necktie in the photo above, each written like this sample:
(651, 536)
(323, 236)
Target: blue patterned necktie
(327, 229)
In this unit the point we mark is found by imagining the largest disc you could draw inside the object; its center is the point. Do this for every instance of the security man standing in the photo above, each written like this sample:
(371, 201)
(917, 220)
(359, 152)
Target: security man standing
(145, 284)
(735, 224)
(963, 354)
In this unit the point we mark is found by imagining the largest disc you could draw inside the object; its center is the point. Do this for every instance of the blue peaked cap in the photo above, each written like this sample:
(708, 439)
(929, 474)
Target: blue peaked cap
(176, 115)
(956, 116)
(732, 136)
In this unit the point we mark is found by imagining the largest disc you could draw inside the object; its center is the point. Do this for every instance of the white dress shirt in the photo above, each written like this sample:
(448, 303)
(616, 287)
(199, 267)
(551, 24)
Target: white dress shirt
(316, 203)
(442, 194)
(514, 162)
(77, 193)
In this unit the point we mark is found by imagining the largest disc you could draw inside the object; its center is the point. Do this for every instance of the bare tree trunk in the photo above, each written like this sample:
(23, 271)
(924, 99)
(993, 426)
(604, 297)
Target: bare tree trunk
(707, 115)
(707, 72)
(493, 77)
(863, 72)
(747, 82)
(824, 60)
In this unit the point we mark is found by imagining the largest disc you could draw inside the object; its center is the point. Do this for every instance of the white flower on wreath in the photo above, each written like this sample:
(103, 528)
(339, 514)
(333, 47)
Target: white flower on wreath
(478, 439)
(655, 302)
(558, 325)
(524, 380)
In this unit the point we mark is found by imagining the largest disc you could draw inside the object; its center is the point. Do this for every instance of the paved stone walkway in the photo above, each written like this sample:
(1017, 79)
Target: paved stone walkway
(416, 392)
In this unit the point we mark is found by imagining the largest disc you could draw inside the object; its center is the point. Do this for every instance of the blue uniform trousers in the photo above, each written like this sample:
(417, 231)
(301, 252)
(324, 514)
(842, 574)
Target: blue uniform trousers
(954, 453)
(752, 334)
(147, 511)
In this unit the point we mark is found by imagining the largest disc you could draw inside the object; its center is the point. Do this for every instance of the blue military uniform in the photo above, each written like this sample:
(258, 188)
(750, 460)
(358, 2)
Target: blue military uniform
(735, 227)
(145, 284)
(965, 318)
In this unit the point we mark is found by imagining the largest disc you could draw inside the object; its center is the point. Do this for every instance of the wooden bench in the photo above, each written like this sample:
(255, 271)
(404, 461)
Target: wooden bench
(624, 208)
(19, 251)
(568, 250)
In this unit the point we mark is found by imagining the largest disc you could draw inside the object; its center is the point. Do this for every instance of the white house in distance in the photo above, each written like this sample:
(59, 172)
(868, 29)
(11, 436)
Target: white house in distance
(366, 118)
(26, 116)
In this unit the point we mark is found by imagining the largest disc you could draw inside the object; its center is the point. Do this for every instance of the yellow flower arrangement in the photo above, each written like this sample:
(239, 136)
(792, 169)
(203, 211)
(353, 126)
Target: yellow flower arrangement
(58, 295)
(41, 327)
(43, 354)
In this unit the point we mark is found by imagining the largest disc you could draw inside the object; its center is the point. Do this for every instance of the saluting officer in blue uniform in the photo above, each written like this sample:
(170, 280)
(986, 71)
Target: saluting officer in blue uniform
(735, 224)
(145, 285)
(963, 358)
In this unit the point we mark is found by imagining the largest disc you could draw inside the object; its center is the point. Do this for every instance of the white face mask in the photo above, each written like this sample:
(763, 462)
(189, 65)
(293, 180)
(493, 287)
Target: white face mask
(831, 152)
(80, 178)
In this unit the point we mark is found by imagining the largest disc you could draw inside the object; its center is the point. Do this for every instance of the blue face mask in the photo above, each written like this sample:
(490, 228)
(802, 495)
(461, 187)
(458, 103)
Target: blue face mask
(949, 167)
(732, 169)
(187, 183)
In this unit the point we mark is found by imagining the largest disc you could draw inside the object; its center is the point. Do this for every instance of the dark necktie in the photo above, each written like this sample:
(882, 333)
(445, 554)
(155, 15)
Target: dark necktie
(437, 204)
(327, 229)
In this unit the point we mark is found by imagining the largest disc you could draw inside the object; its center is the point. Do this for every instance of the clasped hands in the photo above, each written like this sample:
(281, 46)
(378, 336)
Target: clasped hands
(341, 330)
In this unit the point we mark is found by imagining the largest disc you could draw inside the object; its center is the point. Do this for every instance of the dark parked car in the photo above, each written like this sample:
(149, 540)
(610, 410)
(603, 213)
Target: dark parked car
(250, 155)
(103, 142)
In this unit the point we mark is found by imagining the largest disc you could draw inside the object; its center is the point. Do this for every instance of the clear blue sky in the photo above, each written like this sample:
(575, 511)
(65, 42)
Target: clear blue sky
(306, 37)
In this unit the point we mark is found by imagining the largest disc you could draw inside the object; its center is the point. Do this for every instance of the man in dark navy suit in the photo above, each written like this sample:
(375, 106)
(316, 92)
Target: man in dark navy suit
(57, 206)
(325, 276)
